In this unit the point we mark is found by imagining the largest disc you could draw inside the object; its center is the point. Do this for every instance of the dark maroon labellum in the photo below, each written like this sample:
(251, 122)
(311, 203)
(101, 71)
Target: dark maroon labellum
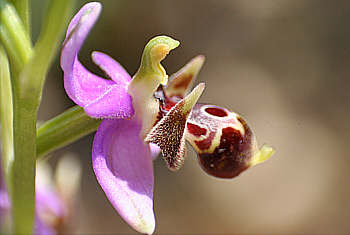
(206, 143)
(231, 157)
(216, 112)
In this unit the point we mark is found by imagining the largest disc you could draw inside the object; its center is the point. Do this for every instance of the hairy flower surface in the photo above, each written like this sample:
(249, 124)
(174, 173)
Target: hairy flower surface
(149, 111)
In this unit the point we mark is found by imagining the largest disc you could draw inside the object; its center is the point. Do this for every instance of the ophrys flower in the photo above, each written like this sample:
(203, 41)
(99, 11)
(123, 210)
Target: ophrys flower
(142, 110)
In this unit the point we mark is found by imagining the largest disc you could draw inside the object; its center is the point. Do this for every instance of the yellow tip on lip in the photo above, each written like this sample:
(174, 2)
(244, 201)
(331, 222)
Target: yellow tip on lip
(264, 153)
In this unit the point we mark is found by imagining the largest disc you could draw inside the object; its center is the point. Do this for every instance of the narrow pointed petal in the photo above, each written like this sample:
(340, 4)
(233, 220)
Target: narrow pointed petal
(168, 133)
(180, 83)
(77, 32)
(100, 97)
(111, 67)
(123, 167)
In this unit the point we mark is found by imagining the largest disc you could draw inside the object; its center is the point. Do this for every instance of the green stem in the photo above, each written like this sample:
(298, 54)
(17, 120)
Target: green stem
(23, 168)
(22, 7)
(10, 46)
(66, 128)
(28, 72)
(47, 47)
(6, 115)
(16, 33)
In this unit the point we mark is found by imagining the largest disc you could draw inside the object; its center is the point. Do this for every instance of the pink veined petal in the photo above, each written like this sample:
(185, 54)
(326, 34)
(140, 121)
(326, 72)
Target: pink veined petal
(94, 7)
(123, 167)
(115, 103)
(100, 97)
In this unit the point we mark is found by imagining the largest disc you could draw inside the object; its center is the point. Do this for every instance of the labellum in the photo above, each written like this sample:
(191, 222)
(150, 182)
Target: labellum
(225, 144)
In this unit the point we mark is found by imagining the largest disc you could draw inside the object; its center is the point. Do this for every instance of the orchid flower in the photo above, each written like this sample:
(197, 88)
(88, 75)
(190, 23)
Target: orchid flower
(150, 109)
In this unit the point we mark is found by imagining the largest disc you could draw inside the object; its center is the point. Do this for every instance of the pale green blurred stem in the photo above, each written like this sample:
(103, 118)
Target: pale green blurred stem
(20, 171)
(14, 35)
(64, 129)
(56, 18)
(9, 45)
(6, 114)
(23, 168)
(22, 8)
(29, 67)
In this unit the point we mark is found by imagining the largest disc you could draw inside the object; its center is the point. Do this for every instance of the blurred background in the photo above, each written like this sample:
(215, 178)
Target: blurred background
(283, 65)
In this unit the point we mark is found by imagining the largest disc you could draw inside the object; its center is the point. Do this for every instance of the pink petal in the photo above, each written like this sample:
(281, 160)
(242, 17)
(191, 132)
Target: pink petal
(100, 97)
(111, 67)
(124, 169)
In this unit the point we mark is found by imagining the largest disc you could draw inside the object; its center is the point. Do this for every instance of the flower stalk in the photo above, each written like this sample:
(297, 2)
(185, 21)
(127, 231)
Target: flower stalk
(25, 74)
(22, 173)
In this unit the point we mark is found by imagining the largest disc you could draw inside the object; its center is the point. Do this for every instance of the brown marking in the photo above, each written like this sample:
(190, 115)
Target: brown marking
(206, 143)
(216, 112)
(183, 81)
(195, 129)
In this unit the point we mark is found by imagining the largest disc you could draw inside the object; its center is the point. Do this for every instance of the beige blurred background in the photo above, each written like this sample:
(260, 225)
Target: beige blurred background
(284, 66)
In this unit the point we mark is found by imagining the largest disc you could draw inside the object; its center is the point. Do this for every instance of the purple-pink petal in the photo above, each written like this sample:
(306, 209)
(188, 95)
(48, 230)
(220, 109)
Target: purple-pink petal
(100, 97)
(111, 67)
(123, 167)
